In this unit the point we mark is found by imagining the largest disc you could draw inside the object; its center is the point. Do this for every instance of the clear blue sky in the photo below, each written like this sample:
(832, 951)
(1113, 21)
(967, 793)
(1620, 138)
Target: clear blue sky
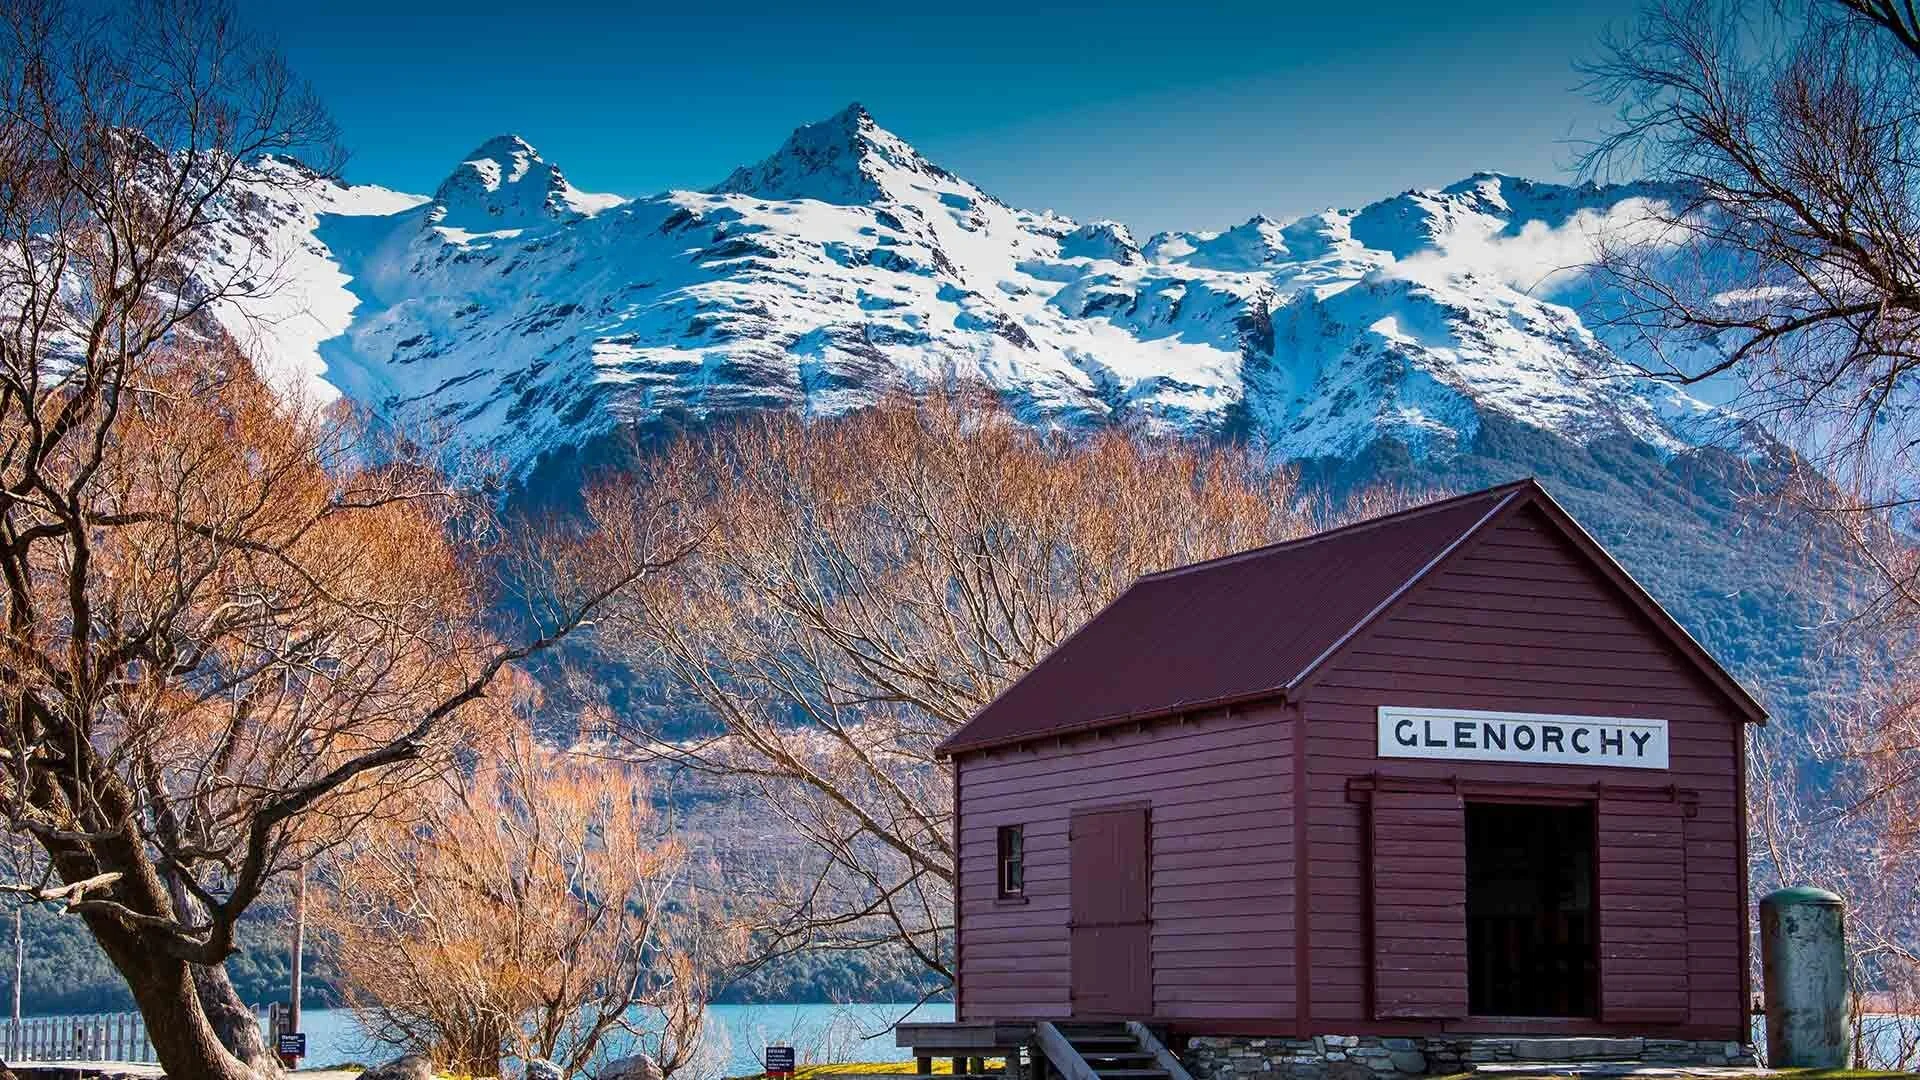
(1167, 114)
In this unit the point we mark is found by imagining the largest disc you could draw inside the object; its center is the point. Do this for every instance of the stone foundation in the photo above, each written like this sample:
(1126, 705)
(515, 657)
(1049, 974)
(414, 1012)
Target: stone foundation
(1372, 1057)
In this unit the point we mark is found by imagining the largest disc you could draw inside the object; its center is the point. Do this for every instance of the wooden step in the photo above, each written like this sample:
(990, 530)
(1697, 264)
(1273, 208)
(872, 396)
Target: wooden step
(1100, 1050)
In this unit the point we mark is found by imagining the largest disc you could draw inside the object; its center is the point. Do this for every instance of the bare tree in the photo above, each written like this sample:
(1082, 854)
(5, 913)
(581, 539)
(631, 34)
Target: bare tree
(1783, 264)
(530, 906)
(1786, 253)
(1806, 827)
(226, 649)
(1897, 17)
(867, 584)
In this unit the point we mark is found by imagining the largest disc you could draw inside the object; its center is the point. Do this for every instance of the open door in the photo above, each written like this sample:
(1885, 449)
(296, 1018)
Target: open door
(1111, 914)
(1530, 909)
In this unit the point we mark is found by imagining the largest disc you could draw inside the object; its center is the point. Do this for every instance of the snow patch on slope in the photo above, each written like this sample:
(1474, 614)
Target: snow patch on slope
(304, 297)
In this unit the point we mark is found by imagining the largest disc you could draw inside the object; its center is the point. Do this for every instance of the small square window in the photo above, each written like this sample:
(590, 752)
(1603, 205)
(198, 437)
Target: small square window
(1013, 871)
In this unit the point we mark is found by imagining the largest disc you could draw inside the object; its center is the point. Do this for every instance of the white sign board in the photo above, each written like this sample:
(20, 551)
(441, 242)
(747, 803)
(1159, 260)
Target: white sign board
(1537, 738)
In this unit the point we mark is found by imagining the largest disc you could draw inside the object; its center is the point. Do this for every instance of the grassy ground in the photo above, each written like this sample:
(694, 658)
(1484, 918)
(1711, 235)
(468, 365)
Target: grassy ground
(941, 1067)
(1776, 1074)
(1836, 1073)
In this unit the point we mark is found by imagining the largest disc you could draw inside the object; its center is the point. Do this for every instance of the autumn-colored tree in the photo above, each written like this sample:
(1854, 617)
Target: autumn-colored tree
(228, 647)
(866, 584)
(531, 905)
(231, 625)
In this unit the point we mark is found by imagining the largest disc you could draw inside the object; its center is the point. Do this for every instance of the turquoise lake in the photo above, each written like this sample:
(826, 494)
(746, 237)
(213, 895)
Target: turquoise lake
(737, 1034)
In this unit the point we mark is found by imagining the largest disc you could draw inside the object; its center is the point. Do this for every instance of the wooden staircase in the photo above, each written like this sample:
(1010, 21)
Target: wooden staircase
(1106, 1050)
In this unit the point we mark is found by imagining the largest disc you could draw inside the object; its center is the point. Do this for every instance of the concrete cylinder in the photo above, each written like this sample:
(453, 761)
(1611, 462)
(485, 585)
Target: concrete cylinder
(1803, 961)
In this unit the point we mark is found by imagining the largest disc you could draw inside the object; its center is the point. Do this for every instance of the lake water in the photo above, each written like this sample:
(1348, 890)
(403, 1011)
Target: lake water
(736, 1033)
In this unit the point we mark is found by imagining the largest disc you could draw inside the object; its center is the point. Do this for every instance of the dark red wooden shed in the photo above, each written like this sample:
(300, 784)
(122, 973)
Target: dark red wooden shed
(1449, 770)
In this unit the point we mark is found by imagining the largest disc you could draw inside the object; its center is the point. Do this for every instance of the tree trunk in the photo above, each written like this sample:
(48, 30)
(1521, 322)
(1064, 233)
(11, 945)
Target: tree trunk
(479, 1053)
(235, 1025)
(168, 996)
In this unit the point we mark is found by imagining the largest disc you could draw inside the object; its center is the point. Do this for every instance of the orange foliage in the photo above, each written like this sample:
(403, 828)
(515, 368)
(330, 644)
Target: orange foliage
(521, 908)
(866, 583)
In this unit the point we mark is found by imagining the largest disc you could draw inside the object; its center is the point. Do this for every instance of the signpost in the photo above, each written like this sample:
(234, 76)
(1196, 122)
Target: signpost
(291, 1045)
(779, 1062)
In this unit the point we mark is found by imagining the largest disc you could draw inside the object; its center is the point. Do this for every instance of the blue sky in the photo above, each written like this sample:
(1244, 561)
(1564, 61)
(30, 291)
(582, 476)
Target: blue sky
(1162, 115)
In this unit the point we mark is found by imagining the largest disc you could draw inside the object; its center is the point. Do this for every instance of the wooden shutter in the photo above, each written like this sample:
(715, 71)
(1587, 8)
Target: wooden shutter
(1643, 902)
(1419, 905)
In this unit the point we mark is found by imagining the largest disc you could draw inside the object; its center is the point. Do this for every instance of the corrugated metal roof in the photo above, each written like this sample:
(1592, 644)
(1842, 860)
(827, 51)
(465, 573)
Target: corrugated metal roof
(1255, 624)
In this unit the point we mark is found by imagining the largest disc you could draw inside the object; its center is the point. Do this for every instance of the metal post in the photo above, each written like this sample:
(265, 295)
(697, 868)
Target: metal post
(1803, 957)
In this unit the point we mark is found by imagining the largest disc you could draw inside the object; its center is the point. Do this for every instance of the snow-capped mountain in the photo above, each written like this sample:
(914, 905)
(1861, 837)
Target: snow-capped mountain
(526, 315)
(504, 185)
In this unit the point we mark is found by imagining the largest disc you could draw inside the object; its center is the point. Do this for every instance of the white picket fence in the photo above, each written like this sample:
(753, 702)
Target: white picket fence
(100, 1037)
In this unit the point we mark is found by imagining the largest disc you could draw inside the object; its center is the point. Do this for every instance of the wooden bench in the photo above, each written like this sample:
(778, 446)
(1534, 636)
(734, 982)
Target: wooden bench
(968, 1043)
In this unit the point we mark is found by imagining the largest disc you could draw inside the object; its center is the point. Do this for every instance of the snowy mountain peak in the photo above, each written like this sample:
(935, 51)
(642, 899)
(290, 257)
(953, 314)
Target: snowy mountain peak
(1258, 242)
(846, 266)
(505, 184)
(846, 159)
(1101, 240)
(516, 154)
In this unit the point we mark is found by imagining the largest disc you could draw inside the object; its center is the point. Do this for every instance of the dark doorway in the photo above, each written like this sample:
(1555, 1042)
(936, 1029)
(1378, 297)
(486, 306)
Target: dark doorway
(1110, 929)
(1530, 910)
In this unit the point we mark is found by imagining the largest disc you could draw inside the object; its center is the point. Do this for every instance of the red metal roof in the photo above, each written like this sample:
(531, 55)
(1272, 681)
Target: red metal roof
(1258, 624)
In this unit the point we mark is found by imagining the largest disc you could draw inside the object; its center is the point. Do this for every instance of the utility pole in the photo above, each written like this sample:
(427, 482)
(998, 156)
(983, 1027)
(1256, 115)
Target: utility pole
(299, 946)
